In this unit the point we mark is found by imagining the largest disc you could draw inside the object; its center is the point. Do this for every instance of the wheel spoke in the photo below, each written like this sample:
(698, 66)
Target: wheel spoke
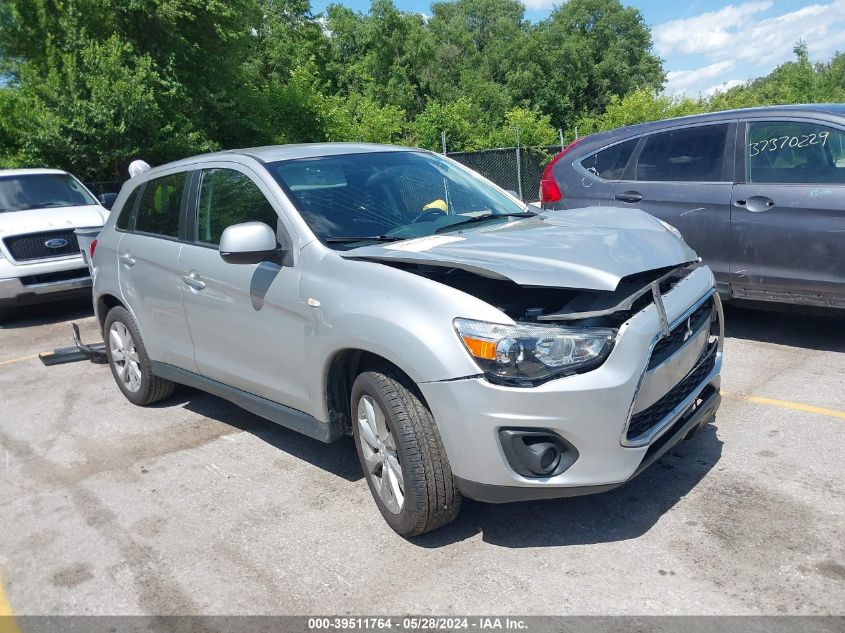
(120, 366)
(381, 423)
(395, 488)
(395, 470)
(389, 442)
(386, 490)
(373, 461)
(367, 435)
(116, 342)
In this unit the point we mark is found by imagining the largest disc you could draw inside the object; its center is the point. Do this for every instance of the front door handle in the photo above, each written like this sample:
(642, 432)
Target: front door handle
(193, 280)
(629, 196)
(127, 260)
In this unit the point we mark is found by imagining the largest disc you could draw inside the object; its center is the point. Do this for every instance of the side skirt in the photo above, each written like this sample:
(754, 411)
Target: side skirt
(273, 411)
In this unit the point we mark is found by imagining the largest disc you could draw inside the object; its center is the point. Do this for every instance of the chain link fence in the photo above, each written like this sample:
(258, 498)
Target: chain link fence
(517, 169)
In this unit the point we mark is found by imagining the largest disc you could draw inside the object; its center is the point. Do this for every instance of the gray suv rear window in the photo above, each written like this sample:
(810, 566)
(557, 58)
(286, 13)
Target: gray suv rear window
(610, 163)
(694, 154)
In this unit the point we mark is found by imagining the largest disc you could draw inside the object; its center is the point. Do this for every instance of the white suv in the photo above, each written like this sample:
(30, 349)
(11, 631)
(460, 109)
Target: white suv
(39, 255)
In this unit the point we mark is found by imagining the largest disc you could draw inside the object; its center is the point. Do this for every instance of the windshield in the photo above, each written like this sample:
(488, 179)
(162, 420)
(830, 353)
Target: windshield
(387, 195)
(37, 191)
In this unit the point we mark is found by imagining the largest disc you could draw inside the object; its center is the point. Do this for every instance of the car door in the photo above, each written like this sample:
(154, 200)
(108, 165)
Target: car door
(788, 213)
(247, 321)
(684, 177)
(148, 270)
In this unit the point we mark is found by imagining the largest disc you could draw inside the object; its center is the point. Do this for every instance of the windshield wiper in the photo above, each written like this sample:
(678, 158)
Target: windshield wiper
(366, 238)
(484, 218)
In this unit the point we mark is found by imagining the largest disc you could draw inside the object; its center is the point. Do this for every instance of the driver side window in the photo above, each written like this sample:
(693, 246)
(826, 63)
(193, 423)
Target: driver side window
(228, 197)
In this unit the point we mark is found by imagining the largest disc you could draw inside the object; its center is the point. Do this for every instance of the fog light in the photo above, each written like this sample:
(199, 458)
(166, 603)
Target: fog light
(537, 452)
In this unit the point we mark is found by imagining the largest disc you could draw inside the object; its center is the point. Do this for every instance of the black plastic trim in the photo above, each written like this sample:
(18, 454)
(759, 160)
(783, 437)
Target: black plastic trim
(280, 414)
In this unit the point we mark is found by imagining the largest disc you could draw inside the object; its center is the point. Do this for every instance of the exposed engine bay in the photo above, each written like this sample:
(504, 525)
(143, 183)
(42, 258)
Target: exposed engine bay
(589, 308)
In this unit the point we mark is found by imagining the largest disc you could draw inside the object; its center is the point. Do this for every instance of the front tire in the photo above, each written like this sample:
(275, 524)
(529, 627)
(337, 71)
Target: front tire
(402, 455)
(130, 365)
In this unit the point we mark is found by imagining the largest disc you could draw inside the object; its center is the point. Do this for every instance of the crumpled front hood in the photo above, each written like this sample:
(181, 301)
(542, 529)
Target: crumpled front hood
(51, 219)
(591, 248)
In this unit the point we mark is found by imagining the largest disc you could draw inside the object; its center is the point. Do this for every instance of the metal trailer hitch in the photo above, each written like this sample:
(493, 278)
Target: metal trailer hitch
(96, 352)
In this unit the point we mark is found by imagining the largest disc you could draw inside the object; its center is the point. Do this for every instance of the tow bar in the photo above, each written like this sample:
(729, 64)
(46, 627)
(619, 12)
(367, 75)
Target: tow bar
(96, 352)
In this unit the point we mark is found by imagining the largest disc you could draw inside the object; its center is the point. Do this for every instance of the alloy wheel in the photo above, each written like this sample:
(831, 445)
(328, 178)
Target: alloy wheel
(124, 356)
(378, 447)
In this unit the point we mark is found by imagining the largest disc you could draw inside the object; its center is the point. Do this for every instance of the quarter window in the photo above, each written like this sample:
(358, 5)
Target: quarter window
(610, 163)
(793, 152)
(694, 154)
(229, 197)
(125, 213)
(158, 211)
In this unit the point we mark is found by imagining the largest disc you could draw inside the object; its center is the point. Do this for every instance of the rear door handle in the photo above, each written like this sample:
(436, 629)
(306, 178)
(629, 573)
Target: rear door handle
(629, 196)
(127, 260)
(755, 204)
(193, 280)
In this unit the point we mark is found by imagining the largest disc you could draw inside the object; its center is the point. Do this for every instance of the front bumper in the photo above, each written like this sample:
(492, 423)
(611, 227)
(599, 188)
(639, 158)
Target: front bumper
(41, 281)
(591, 411)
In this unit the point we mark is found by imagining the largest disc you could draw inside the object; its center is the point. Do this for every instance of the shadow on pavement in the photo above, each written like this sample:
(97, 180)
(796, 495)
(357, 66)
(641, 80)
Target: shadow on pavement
(787, 325)
(338, 458)
(621, 514)
(21, 317)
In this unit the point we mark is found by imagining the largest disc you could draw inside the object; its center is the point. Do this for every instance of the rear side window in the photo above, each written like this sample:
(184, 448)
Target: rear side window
(795, 153)
(229, 197)
(610, 163)
(158, 211)
(693, 154)
(125, 213)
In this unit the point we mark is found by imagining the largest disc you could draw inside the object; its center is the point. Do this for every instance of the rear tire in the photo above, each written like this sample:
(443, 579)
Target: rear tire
(130, 365)
(402, 455)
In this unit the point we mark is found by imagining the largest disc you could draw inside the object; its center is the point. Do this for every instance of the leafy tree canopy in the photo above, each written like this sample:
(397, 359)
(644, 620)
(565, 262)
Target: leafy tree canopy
(89, 85)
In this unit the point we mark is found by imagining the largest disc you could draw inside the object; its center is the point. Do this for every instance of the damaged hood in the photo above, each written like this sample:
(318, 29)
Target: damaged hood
(591, 248)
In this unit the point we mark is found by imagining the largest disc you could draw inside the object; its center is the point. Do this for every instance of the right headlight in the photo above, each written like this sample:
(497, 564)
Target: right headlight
(525, 355)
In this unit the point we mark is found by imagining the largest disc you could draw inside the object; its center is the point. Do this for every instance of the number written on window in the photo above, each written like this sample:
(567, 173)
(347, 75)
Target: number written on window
(780, 142)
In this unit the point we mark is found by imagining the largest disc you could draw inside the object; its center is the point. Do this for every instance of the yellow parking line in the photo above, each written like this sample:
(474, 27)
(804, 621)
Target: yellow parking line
(786, 404)
(20, 358)
(7, 621)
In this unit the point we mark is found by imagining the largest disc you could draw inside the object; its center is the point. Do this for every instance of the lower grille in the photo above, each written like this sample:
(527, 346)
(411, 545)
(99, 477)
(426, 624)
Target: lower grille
(24, 248)
(48, 278)
(642, 422)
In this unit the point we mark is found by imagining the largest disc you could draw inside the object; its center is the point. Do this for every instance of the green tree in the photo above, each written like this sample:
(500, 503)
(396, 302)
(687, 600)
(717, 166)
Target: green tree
(587, 52)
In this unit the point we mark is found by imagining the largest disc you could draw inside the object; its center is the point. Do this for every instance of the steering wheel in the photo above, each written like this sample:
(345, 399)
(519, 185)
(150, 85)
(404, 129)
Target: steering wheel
(428, 215)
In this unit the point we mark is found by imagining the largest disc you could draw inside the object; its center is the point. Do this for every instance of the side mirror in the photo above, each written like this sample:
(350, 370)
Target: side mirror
(249, 243)
(107, 200)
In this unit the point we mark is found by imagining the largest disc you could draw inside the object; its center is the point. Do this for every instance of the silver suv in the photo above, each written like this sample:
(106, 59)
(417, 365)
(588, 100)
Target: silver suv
(471, 345)
(39, 257)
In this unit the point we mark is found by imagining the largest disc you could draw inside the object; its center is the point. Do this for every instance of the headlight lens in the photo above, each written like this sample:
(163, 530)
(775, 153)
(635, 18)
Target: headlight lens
(529, 354)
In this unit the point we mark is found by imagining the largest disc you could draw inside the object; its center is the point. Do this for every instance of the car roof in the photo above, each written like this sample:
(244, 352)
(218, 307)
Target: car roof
(836, 109)
(29, 172)
(273, 153)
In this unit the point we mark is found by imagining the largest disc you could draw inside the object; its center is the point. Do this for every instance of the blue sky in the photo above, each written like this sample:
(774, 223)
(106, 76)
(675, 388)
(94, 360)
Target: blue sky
(708, 45)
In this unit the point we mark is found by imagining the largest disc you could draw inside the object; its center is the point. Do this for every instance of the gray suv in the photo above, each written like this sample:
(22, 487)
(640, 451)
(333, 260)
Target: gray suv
(758, 193)
(471, 345)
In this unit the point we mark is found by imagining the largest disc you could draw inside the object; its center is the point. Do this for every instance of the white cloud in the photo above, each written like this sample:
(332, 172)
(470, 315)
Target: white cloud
(705, 33)
(737, 34)
(682, 80)
(722, 87)
(542, 5)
